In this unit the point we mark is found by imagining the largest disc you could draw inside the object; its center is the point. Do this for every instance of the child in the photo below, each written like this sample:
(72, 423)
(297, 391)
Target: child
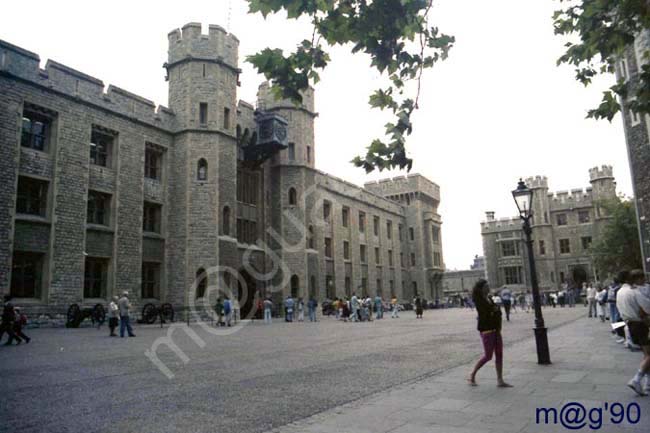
(21, 320)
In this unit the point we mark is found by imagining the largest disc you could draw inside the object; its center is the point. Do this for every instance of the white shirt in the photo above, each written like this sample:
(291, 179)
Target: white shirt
(591, 293)
(630, 301)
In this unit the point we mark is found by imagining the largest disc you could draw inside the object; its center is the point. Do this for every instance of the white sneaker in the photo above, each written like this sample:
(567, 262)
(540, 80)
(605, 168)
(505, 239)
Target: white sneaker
(636, 387)
(620, 340)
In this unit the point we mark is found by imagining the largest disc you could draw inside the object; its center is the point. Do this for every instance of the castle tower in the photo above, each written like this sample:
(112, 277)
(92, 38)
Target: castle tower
(202, 71)
(301, 149)
(602, 183)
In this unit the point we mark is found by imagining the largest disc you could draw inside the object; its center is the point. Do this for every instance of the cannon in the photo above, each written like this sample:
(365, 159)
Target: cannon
(150, 313)
(76, 315)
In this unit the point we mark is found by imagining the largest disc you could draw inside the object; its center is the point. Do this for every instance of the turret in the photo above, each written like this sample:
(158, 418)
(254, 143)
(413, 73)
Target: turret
(602, 182)
(541, 211)
(301, 145)
(203, 73)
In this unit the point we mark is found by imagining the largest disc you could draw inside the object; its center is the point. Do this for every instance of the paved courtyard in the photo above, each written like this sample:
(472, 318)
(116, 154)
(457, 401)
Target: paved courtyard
(257, 379)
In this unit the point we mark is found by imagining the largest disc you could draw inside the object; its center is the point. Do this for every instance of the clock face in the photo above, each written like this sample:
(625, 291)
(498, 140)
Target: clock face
(281, 132)
(266, 130)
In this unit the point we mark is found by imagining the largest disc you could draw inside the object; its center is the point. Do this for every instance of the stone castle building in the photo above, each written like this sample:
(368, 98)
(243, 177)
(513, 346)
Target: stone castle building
(637, 138)
(102, 191)
(564, 226)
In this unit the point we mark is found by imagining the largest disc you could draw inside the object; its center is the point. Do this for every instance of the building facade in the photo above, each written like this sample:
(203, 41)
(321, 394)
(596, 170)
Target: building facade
(564, 226)
(637, 138)
(102, 192)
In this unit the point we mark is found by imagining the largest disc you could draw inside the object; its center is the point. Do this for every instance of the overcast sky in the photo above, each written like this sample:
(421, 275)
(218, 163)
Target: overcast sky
(496, 110)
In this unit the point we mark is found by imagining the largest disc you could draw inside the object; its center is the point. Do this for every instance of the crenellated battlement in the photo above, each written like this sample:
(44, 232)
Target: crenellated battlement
(572, 198)
(63, 79)
(267, 101)
(405, 184)
(495, 225)
(603, 172)
(537, 182)
(216, 46)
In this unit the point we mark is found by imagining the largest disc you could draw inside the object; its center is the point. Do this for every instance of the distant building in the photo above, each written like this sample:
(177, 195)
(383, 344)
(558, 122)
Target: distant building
(637, 138)
(565, 224)
(461, 282)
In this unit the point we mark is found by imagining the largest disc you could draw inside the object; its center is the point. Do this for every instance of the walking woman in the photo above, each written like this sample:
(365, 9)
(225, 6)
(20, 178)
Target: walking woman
(489, 325)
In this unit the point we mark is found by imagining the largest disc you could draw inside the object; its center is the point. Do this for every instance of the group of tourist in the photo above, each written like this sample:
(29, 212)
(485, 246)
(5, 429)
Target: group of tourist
(625, 303)
(13, 322)
(118, 312)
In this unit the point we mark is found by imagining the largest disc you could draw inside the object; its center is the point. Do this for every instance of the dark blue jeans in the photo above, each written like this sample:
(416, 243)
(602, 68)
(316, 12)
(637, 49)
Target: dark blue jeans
(125, 323)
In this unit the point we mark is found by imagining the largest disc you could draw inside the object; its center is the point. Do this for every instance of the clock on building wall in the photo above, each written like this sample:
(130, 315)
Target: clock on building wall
(281, 132)
(271, 138)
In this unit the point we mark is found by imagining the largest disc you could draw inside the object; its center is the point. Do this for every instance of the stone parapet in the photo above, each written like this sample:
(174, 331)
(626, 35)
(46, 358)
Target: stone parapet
(23, 64)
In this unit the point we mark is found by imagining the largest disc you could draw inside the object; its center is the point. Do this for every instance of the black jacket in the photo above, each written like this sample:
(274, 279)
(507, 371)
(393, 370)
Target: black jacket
(489, 315)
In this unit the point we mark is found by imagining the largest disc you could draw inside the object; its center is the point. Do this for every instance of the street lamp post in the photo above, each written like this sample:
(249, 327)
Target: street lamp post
(524, 198)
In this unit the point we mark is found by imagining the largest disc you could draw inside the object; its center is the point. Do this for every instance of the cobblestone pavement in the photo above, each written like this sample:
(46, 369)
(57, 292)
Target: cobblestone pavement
(260, 378)
(588, 378)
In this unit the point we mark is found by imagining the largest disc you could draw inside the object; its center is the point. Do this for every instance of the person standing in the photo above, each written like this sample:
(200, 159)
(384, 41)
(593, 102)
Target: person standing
(268, 306)
(125, 321)
(301, 310)
(571, 295)
(614, 316)
(227, 311)
(634, 307)
(311, 307)
(489, 326)
(354, 307)
(418, 307)
(379, 307)
(8, 319)
(289, 304)
(506, 299)
(395, 307)
(591, 300)
(113, 313)
(218, 308)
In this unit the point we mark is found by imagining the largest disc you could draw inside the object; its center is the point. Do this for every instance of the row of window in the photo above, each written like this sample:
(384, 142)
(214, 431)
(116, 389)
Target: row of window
(363, 257)
(511, 248)
(37, 133)
(27, 272)
(32, 197)
(345, 220)
(584, 217)
(32, 200)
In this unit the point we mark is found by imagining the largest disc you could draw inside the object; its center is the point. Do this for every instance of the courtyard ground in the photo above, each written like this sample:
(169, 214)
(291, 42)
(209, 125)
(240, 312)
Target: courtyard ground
(265, 377)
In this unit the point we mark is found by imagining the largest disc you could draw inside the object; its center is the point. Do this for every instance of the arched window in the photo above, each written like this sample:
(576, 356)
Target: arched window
(202, 170)
(225, 224)
(295, 289)
(310, 238)
(201, 283)
(293, 199)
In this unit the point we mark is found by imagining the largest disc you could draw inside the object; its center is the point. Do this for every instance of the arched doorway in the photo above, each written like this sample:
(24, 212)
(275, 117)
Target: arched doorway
(578, 275)
(295, 286)
(246, 292)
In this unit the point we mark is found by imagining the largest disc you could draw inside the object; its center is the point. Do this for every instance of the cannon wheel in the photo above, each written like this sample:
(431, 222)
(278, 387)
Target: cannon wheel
(167, 312)
(99, 314)
(149, 313)
(73, 316)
